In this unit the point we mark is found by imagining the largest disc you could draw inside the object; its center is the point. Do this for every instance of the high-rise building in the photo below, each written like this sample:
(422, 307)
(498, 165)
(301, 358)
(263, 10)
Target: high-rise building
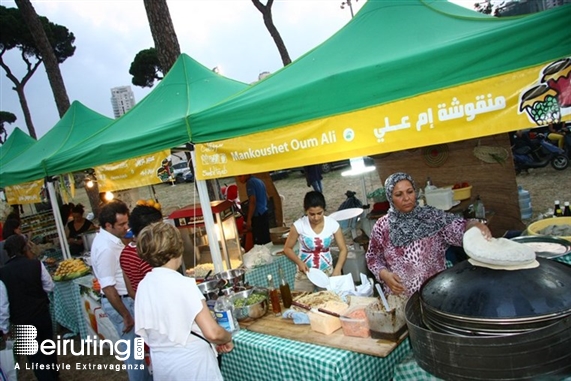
(122, 100)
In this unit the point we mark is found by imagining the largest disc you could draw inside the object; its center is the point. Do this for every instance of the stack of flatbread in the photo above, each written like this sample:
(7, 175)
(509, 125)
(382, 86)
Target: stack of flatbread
(500, 253)
(317, 299)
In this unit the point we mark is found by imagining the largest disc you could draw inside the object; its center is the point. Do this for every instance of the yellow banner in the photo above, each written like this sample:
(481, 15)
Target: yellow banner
(524, 99)
(27, 193)
(132, 173)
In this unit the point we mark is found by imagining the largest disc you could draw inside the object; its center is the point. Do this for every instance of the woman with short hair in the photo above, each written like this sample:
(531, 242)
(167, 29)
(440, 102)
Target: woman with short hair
(171, 313)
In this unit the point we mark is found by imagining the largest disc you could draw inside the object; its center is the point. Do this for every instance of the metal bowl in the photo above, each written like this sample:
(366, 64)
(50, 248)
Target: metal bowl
(235, 277)
(477, 301)
(211, 288)
(253, 311)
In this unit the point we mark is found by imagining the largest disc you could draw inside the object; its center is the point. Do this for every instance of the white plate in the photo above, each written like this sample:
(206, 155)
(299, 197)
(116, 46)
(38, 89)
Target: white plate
(346, 214)
(455, 203)
(318, 278)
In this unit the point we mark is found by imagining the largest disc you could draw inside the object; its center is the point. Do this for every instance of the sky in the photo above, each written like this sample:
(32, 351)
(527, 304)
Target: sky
(229, 34)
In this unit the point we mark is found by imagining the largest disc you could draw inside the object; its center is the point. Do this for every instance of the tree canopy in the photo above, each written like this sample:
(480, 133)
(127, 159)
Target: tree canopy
(16, 35)
(5, 117)
(146, 68)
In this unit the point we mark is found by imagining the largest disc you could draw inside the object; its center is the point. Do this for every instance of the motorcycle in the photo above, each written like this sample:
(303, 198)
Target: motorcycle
(535, 151)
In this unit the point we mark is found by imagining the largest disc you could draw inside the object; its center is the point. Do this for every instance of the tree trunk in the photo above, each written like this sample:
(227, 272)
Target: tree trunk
(269, 22)
(94, 200)
(163, 32)
(52, 67)
(266, 11)
(19, 88)
(26, 110)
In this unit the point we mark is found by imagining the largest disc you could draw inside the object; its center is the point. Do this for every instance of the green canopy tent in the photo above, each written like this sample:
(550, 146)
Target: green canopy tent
(76, 123)
(28, 166)
(17, 142)
(157, 122)
(401, 74)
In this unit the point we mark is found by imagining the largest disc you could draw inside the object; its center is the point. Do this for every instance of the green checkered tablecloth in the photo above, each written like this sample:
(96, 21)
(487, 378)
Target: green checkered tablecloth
(66, 303)
(564, 259)
(258, 275)
(409, 370)
(262, 357)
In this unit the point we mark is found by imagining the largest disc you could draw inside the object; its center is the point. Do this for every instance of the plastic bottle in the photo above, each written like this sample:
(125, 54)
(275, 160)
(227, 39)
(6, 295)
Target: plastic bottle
(274, 297)
(224, 311)
(557, 211)
(524, 203)
(479, 210)
(566, 209)
(429, 185)
(284, 288)
(421, 200)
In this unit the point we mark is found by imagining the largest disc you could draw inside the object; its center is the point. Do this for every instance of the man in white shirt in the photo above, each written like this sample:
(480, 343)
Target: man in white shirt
(115, 301)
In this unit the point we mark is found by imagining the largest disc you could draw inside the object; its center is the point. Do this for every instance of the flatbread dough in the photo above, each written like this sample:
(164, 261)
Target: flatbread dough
(519, 266)
(496, 251)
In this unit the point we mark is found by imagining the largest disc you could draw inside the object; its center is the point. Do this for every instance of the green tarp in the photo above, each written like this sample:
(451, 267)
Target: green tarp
(157, 122)
(77, 122)
(391, 50)
(17, 142)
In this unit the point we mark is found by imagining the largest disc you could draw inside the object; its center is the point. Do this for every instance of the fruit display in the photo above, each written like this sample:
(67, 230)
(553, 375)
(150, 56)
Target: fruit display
(70, 269)
(460, 185)
(149, 202)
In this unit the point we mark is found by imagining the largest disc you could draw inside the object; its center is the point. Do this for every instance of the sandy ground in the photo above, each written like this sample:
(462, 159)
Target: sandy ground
(545, 185)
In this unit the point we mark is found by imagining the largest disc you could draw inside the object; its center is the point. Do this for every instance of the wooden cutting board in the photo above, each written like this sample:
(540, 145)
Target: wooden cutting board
(285, 328)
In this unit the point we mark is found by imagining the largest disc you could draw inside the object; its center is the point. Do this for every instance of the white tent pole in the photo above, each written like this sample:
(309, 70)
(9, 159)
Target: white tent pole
(208, 220)
(59, 223)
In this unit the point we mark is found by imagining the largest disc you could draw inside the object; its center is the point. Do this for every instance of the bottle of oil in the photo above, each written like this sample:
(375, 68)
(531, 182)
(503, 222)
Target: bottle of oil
(274, 296)
(284, 288)
(557, 211)
(566, 209)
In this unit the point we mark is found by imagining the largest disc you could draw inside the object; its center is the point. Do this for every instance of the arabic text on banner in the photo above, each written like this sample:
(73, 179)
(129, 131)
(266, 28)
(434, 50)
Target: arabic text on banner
(482, 108)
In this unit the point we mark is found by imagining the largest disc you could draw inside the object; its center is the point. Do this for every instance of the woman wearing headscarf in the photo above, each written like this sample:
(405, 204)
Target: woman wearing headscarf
(407, 245)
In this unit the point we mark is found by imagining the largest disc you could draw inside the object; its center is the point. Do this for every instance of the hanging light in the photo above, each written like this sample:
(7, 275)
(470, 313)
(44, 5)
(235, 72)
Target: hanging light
(109, 196)
(358, 167)
(90, 179)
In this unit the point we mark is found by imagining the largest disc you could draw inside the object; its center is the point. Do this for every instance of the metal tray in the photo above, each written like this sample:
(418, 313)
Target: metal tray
(546, 239)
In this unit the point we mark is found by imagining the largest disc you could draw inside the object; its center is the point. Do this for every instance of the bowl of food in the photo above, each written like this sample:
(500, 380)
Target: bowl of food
(250, 304)
(554, 227)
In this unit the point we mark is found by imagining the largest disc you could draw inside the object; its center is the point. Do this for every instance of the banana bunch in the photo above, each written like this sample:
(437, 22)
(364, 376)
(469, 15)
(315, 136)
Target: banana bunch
(70, 269)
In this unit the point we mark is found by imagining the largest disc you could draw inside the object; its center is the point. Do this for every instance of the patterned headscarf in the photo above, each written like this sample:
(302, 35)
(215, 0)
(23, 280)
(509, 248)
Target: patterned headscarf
(421, 222)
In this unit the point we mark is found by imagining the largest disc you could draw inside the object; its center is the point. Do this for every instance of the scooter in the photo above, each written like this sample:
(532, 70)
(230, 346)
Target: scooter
(537, 152)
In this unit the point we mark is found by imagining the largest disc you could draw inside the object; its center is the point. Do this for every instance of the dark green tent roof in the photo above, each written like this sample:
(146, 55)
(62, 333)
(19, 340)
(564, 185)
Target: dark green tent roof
(76, 123)
(391, 50)
(17, 142)
(157, 122)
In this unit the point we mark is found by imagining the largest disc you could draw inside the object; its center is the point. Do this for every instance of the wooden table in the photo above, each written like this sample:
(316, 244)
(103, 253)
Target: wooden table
(285, 328)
